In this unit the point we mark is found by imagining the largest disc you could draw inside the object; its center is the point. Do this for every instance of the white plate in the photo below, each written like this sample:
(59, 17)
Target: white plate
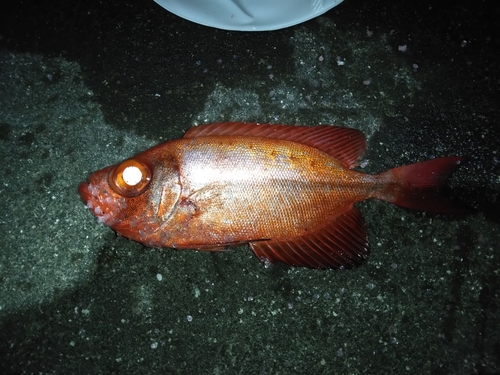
(248, 15)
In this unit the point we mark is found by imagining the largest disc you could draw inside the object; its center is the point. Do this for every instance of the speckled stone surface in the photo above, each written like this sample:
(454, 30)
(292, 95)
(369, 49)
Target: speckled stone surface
(85, 85)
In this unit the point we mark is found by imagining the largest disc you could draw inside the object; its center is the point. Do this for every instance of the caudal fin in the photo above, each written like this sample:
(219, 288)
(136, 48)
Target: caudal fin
(419, 186)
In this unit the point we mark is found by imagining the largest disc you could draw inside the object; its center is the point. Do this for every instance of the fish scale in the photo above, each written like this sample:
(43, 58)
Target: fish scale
(287, 191)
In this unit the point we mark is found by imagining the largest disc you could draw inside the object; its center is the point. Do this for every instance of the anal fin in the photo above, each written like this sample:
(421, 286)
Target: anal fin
(342, 243)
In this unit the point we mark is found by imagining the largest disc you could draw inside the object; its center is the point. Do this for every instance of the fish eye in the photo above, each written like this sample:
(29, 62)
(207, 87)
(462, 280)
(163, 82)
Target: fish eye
(130, 179)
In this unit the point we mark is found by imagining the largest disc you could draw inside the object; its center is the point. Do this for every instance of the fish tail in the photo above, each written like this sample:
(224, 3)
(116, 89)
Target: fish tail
(420, 186)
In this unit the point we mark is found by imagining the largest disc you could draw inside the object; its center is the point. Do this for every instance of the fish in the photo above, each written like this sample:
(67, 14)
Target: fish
(287, 191)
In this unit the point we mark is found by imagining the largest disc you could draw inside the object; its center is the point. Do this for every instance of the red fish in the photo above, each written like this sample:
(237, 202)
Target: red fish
(288, 191)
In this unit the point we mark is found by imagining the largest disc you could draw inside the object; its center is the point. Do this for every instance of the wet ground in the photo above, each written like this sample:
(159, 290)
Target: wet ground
(86, 85)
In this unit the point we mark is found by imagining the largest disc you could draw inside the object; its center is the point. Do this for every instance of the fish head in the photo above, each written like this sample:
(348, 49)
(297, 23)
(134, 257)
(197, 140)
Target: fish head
(133, 197)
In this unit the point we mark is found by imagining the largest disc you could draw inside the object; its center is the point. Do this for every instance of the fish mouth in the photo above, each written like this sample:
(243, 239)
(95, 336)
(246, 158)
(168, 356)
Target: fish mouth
(92, 202)
(105, 207)
(83, 190)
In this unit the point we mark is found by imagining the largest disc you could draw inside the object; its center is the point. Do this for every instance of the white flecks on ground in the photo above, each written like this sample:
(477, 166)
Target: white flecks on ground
(323, 81)
(49, 150)
(237, 103)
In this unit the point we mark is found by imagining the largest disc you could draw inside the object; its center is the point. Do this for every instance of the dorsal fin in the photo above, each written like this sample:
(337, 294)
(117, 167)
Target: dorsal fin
(343, 243)
(345, 144)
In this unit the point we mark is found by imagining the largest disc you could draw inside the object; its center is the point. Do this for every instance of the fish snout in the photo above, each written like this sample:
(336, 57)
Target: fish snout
(83, 190)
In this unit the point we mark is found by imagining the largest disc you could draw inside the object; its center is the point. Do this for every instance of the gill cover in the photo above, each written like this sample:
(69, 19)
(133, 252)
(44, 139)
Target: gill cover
(130, 178)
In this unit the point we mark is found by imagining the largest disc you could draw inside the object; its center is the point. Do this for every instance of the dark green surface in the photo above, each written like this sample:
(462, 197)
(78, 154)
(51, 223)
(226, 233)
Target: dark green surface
(86, 85)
